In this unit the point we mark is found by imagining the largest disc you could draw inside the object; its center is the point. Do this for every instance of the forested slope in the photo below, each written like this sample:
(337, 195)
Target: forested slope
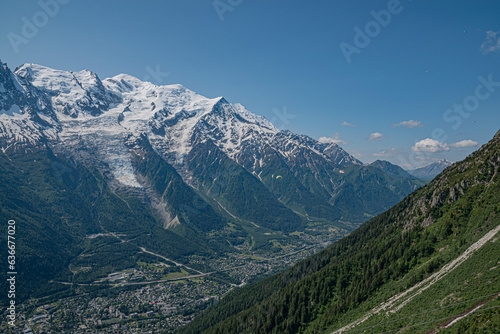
(391, 253)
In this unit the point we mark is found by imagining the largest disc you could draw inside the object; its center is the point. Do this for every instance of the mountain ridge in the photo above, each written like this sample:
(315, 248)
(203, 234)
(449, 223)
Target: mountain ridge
(392, 169)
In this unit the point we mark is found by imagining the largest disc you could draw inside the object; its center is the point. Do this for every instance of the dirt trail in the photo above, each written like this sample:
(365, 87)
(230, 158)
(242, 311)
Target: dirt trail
(462, 315)
(398, 301)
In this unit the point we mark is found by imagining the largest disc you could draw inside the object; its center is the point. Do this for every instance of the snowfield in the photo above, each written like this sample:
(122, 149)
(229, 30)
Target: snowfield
(78, 110)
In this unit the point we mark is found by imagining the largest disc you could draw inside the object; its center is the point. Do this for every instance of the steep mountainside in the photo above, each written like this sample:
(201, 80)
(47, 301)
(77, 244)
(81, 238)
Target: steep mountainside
(421, 266)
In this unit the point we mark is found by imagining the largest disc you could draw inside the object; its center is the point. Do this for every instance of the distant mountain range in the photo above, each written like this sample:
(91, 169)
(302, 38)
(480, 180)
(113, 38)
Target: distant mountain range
(392, 169)
(431, 171)
(429, 264)
(168, 168)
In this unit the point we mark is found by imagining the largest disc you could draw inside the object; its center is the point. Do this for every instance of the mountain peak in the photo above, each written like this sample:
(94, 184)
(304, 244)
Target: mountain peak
(49, 79)
(72, 93)
(391, 169)
(3, 66)
(381, 162)
(127, 82)
(432, 170)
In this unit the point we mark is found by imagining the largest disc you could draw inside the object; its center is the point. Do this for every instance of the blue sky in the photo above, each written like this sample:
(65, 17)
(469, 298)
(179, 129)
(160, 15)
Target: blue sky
(434, 63)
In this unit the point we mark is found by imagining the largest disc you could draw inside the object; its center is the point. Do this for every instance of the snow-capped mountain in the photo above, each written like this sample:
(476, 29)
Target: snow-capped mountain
(80, 108)
(165, 168)
(431, 171)
(219, 148)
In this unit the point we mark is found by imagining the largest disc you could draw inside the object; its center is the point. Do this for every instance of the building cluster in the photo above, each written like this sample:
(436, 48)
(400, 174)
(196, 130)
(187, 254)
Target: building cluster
(163, 306)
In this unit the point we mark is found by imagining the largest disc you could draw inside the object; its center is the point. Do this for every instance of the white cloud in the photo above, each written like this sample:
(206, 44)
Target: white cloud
(387, 153)
(409, 124)
(465, 143)
(430, 145)
(492, 42)
(335, 139)
(344, 123)
(376, 136)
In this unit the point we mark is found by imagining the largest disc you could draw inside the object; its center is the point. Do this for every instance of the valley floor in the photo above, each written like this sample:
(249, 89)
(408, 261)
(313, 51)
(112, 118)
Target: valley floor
(160, 297)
